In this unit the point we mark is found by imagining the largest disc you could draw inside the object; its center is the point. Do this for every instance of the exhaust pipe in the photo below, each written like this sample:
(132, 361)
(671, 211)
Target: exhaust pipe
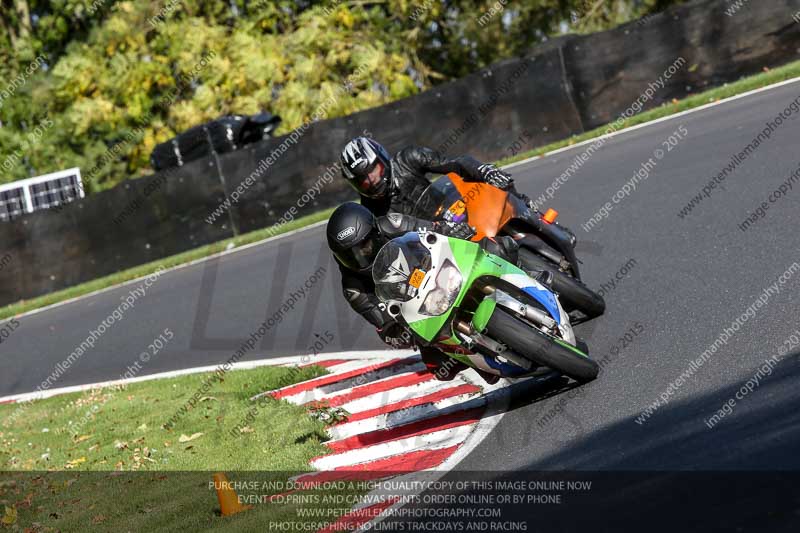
(533, 314)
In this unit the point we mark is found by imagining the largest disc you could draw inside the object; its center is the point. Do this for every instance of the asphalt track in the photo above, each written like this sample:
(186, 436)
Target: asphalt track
(692, 277)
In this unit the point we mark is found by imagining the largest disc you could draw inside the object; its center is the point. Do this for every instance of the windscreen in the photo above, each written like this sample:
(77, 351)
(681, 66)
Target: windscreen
(441, 201)
(400, 267)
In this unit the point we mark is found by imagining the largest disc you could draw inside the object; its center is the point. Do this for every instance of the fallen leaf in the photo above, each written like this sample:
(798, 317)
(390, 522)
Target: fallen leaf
(99, 519)
(246, 429)
(142, 427)
(26, 503)
(120, 445)
(82, 438)
(93, 447)
(184, 438)
(10, 518)
(207, 398)
(75, 462)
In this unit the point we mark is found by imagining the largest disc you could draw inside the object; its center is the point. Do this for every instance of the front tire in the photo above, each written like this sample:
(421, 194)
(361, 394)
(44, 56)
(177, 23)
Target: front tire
(542, 349)
(573, 294)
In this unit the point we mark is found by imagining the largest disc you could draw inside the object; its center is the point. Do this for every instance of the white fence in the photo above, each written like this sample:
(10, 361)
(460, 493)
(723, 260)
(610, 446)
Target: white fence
(41, 192)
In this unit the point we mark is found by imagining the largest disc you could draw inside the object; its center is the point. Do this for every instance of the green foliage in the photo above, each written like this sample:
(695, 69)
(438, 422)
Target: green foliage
(115, 78)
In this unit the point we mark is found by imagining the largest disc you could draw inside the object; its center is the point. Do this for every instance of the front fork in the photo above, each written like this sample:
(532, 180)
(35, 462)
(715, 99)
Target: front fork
(470, 333)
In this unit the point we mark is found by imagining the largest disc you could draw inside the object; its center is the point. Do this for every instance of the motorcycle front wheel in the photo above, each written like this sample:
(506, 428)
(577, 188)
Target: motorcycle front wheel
(544, 350)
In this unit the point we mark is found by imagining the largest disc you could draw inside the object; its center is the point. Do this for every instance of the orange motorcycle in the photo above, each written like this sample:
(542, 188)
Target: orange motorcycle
(544, 245)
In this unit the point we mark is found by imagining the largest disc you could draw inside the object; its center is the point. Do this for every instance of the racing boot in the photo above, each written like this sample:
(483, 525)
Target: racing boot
(442, 367)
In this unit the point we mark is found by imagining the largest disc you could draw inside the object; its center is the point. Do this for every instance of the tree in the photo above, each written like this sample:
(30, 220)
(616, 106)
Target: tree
(117, 77)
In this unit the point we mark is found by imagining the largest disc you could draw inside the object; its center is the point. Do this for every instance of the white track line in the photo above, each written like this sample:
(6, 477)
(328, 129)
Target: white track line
(172, 269)
(241, 365)
(512, 165)
(654, 122)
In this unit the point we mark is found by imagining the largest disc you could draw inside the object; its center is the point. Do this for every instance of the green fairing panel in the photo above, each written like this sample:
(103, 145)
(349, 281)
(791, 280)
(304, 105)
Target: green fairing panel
(483, 313)
(473, 263)
(465, 253)
(429, 328)
(453, 340)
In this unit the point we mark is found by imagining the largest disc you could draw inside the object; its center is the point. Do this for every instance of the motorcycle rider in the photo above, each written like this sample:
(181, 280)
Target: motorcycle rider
(394, 184)
(355, 236)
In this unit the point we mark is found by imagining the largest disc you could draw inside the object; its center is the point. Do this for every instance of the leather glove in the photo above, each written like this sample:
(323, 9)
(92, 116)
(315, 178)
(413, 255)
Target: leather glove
(458, 230)
(495, 177)
(395, 335)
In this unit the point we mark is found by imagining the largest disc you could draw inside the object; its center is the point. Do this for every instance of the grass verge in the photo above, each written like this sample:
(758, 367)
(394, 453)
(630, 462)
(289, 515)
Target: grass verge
(102, 459)
(121, 427)
(786, 72)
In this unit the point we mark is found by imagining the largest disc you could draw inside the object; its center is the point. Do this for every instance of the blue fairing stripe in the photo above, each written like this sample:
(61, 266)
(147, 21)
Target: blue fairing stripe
(508, 369)
(547, 299)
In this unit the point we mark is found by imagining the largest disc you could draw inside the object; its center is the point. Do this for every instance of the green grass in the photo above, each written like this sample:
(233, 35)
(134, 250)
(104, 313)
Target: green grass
(110, 428)
(789, 71)
(102, 459)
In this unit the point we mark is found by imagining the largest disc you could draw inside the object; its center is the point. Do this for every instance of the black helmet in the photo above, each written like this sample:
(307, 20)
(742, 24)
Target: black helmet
(353, 236)
(366, 166)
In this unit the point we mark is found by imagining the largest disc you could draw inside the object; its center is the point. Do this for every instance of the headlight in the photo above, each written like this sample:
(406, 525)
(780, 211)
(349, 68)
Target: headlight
(448, 286)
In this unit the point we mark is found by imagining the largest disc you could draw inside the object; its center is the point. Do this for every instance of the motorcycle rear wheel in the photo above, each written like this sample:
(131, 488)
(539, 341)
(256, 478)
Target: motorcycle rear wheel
(573, 294)
(542, 349)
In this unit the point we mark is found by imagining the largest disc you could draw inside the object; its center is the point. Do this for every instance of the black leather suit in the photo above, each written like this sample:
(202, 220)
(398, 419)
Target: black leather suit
(408, 180)
(358, 287)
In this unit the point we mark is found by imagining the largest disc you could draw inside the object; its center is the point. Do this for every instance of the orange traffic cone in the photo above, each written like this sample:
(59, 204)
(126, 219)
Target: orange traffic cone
(228, 500)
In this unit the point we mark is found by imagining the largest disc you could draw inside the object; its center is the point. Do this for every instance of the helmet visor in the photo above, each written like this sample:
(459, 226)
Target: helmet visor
(370, 180)
(361, 255)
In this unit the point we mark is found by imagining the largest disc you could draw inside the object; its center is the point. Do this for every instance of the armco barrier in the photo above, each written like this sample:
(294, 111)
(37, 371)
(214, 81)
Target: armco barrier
(564, 87)
(53, 250)
(610, 70)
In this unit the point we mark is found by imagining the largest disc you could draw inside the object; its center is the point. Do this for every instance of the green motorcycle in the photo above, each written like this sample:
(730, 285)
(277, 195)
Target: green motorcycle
(477, 307)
